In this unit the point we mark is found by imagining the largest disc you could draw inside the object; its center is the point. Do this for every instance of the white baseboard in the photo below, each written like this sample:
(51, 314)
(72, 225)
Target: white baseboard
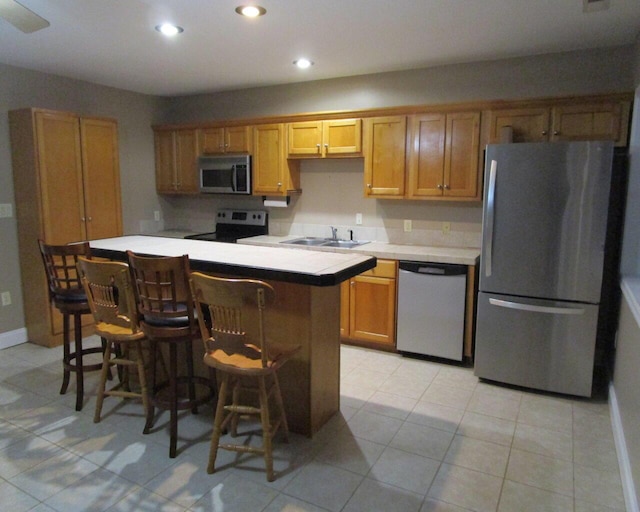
(628, 488)
(11, 338)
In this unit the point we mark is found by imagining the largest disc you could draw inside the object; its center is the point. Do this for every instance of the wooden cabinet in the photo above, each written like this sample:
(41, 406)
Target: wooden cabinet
(385, 154)
(597, 120)
(272, 173)
(232, 139)
(368, 307)
(67, 188)
(321, 139)
(177, 154)
(444, 158)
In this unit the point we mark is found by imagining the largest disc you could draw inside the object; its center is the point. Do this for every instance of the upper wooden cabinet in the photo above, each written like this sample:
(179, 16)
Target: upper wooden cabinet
(385, 154)
(177, 154)
(67, 188)
(232, 139)
(272, 173)
(444, 158)
(321, 139)
(596, 120)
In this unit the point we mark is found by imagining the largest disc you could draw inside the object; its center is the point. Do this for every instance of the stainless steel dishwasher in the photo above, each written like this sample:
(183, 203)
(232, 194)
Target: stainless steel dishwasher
(431, 307)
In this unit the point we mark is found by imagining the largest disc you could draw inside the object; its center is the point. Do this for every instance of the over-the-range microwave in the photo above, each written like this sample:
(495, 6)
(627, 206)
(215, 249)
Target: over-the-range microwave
(225, 174)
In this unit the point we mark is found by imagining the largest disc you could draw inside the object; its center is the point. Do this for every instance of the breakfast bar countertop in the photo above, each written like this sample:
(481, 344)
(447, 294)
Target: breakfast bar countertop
(428, 254)
(276, 263)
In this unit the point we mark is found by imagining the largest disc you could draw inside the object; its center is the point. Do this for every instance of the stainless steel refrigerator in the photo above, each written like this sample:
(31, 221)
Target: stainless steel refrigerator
(543, 238)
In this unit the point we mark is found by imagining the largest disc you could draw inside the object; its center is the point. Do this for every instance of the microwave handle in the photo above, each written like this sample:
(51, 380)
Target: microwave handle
(234, 178)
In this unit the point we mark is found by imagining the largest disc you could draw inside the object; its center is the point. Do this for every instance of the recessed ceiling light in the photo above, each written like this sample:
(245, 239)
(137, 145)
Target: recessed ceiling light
(303, 63)
(251, 11)
(168, 29)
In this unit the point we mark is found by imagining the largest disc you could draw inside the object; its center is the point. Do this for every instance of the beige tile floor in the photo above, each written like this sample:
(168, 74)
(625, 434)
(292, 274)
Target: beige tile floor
(411, 436)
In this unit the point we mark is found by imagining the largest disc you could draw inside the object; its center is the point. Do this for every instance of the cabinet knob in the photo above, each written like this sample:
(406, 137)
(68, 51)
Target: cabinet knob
(279, 184)
(318, 146)
(544, 132)
(439, 186)
(556, 132)
(326, 146)
(82, 219)
(447, 187)
(90, 219)
(369, 185)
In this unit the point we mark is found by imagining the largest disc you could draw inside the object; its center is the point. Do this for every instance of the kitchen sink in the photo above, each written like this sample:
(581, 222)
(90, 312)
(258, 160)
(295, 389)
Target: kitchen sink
(325, 242)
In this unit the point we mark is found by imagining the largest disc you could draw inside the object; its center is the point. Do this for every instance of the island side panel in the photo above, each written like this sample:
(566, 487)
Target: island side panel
(308, 316)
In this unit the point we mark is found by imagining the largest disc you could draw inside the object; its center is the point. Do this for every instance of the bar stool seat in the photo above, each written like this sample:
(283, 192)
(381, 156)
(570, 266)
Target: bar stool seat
(167, 317)
(68, 296)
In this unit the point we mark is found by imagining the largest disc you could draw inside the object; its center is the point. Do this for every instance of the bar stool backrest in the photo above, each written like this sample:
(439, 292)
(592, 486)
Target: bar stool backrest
(60, 266)
(109, 292)
(234, 318)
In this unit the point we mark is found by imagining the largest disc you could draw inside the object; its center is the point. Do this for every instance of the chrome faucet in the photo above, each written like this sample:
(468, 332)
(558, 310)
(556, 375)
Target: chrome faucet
(334, 233)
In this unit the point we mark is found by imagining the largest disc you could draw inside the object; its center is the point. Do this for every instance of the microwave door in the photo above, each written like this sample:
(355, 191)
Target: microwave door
(234, 178)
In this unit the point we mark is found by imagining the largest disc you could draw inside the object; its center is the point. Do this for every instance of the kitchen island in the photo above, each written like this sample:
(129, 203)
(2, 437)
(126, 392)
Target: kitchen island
(306, 310)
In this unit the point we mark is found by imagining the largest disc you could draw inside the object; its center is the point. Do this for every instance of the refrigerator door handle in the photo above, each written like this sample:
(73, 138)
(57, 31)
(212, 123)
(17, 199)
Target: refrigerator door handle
(536, 309)
(491, 194)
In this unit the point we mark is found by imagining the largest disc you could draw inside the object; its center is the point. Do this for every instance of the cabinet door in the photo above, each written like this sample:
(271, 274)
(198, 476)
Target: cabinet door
(60, 165)
(426, 161)
(212, 141)
(372, 309)
(187, 161)
(590, 121)
(267, 160)
(342, 137)
(525, 124)
(385, 156)
(165, 161)
(237, 139)
(461, 155)
(305, 139)
(101, 178)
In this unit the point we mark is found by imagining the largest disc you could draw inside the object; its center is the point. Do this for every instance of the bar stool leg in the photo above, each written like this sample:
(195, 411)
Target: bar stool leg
(192, 385)
(153, 352)
(144, 390)
(217, 423)
(77, 320)
(66, 357)
(173, 399)
(266, 428)
(103, 383)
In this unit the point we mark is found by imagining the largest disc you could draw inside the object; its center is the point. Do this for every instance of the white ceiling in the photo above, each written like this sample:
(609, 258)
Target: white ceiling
(113, 42)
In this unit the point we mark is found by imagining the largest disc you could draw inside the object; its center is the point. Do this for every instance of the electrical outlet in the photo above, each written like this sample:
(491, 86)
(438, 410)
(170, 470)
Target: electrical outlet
(358, 219)
(6, 298)
(156, 215)
(6, 210)
(446, 228)
(407, 225)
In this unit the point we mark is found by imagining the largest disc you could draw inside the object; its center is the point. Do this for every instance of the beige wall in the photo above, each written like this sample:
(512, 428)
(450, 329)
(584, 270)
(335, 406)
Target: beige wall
(135, 113)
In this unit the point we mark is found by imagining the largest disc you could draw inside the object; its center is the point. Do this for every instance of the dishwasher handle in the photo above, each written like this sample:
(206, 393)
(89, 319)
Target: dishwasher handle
(432, 269)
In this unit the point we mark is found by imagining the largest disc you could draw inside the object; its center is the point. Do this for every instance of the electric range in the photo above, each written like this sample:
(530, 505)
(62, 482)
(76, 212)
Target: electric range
(231, 225)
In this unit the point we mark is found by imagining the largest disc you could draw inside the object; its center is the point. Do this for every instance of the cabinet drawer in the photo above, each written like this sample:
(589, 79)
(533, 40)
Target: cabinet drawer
(384, 268)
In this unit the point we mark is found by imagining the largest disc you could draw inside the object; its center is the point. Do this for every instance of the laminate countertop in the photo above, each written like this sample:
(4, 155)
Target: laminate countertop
(429, 254)
(271, 263)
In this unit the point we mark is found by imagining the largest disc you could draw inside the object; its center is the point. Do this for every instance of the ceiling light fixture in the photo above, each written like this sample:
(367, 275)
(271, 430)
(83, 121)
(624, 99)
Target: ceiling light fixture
(303, 63)
(169, 30)
(250, 11)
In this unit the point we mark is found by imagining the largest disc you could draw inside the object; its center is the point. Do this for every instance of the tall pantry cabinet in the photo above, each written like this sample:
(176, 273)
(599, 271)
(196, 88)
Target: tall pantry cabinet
(67, 188)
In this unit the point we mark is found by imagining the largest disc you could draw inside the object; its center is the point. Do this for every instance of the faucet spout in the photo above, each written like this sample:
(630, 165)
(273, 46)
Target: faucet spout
(334, 233)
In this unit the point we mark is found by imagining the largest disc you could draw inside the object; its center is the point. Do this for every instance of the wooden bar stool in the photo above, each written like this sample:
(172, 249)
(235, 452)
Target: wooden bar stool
(112, 303)
(236, 346)
(68, 296)
(167, 316)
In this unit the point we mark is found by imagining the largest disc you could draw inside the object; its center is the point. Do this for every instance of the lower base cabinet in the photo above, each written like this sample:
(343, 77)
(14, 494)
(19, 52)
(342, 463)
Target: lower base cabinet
(368, 307)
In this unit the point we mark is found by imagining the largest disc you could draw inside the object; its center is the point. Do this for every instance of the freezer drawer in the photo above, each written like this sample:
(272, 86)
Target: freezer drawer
(540, 344)
(431, 306)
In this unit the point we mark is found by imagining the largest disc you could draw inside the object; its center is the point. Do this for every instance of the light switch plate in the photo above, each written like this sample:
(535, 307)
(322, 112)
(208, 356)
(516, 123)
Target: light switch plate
(6, 210)
(407, 225)
(6, 298)
(446, 228)
(358, 219)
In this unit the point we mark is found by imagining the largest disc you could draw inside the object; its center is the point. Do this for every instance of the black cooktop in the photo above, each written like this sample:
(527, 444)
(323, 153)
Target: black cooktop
(231, 225)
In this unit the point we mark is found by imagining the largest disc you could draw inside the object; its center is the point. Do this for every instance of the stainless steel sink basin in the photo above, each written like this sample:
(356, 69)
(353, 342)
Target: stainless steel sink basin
(308, 240)
(325, 242)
